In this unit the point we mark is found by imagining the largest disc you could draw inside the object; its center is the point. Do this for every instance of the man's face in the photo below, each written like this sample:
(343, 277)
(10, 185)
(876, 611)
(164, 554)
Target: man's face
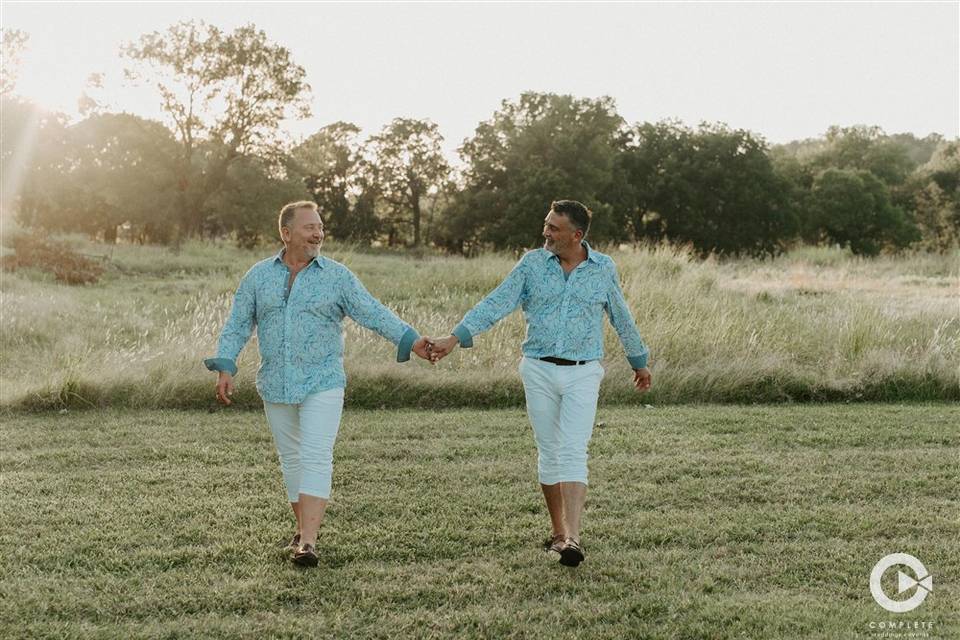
(305, 233)
(559, 233)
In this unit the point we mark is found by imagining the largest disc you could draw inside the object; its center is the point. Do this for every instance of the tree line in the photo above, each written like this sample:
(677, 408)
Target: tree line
(218, 166)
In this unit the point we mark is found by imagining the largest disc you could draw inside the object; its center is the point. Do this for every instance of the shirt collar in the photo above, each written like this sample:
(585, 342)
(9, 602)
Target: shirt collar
(591, 256)
(279, 258)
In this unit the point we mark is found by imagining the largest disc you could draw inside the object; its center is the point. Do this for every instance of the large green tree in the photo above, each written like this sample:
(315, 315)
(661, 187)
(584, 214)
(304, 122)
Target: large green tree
(943, 167)
(333, 169)
(937, 216)
(225, 95)
(641, 181)
(119, 168)
(901, 162)
(534, 150)
(934, 190)
(92, 176)
(867, 148)
(919, 150)
(713, 187)
(852, 208)
(410, 167)
(254, 191)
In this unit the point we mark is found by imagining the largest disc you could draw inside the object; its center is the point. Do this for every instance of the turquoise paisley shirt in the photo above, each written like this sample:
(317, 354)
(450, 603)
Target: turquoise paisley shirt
(564, 315)
(299, 330)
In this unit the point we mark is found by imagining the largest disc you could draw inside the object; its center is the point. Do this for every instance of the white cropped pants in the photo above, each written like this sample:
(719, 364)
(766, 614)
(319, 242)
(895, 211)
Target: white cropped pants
(562, 407)
(304, 435)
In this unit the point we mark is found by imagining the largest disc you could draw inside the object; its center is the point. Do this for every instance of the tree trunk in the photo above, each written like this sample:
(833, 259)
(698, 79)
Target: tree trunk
(416, 219)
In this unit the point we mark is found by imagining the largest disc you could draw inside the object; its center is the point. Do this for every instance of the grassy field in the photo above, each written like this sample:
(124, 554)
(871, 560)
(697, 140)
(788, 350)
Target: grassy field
(702, 522)
(816, 324)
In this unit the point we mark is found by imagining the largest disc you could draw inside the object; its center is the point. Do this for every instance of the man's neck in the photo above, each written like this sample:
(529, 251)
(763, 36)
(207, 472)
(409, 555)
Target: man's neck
(573, 257)
(296, 261)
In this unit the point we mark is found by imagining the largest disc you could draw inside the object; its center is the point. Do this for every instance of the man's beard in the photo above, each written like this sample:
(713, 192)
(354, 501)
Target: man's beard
(312, 250)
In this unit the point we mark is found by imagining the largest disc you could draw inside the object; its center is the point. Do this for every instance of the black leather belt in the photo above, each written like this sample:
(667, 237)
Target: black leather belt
(562, 362)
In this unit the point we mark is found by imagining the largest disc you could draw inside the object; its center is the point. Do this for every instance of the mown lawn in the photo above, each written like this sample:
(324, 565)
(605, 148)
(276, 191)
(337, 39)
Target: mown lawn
(703, 522)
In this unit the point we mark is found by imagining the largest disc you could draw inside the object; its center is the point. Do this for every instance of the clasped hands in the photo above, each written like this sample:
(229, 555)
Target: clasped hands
(436, 349)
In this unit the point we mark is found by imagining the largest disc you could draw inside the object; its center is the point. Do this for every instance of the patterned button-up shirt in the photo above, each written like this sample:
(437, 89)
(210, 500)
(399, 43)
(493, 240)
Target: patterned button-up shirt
(299, 329)
(564, 315)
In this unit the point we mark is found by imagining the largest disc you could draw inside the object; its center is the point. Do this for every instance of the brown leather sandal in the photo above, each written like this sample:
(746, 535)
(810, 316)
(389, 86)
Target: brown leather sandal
(572, 553)
(554, 543)
(294, 543)
(306, 556)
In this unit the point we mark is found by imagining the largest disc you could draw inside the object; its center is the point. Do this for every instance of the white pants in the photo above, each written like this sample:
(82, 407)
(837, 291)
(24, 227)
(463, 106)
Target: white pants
(304, 435)
(561, 406)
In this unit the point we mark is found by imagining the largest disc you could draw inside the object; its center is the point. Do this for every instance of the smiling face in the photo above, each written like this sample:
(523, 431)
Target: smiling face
(304, 235)
(560, 236)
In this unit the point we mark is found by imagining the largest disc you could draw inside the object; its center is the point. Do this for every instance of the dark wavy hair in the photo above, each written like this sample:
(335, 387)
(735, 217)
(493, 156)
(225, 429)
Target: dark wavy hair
(578, 214)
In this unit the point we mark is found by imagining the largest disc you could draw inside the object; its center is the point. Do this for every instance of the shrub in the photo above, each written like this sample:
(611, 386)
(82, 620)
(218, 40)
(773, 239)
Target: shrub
(65, 264)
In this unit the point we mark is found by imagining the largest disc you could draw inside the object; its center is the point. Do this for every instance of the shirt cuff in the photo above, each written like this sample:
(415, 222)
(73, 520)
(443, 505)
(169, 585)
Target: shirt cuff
(406, 343)
(221, 364)
(463, 335)
(638, 362)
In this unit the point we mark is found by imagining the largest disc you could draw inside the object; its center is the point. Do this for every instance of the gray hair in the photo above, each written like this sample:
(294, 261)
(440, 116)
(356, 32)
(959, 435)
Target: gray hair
(288, 210)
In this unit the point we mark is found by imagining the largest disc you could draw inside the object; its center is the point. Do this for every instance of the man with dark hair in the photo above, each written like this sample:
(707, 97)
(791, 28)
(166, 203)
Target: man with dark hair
(578, 214)
(297, 300)
(564, 290)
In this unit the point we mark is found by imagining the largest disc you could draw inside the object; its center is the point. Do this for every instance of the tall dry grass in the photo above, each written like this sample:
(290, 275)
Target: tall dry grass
(815, 324)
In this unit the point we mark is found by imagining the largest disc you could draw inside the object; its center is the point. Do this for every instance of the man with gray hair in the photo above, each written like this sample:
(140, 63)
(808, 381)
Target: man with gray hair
(564, 288)
(297, 300)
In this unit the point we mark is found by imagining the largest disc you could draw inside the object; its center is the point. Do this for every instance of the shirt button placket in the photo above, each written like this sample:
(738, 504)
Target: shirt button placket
(286, 332)
(558, 346)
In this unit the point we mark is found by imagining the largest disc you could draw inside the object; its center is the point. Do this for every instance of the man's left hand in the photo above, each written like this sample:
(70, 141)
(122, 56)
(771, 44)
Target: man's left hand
(422, 348)
(641, 379)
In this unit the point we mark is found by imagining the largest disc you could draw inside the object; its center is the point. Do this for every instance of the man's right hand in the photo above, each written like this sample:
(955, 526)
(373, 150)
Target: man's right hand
(641, 379)
(224, 387)
(442, 347)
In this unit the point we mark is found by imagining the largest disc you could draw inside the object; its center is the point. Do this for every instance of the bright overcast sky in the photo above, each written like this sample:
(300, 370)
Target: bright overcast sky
(785, 71)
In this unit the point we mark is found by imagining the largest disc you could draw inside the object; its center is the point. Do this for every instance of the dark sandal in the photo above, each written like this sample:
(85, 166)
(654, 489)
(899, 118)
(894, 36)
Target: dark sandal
(294, 543)
(554, 543)
(306, 556)
(572, 553)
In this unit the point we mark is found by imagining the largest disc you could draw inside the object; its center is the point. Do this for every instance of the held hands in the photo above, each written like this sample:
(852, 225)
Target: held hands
(641, 379)
(423, 347)
(442, 347)
(434, 349)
